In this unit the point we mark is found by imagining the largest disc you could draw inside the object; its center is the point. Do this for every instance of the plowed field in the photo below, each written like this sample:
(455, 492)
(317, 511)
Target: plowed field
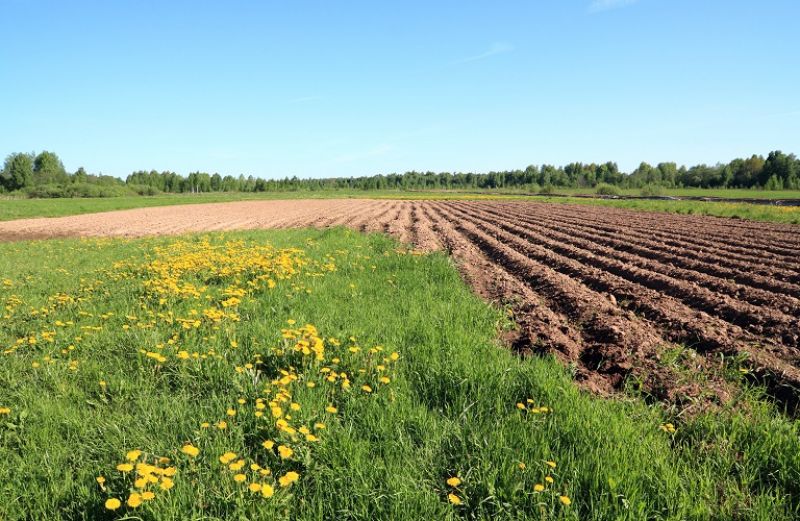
(612, 292)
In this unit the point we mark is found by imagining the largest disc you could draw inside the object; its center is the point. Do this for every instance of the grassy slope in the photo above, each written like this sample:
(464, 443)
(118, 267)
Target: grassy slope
(450, 409)
(27, 208)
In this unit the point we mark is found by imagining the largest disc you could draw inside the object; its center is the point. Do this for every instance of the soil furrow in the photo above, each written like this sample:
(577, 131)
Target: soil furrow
(659, 262)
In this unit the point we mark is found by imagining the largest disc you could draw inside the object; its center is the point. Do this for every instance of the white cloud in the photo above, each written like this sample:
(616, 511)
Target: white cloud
(496, 48)
(606, 5)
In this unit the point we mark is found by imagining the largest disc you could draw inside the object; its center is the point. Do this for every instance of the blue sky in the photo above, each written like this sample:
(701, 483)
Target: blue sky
(319, 89)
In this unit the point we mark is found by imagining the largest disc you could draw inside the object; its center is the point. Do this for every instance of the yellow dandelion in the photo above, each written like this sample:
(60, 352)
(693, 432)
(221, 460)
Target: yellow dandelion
(254, 487)
(551, 464)
(166, 484)
(285, 452)
(454, 481)
(538, 487)
(267, 490)
(124, 467)
(113, 503)
(148, 495)
(239, 478)
(452, 498)
(134, 500)
(190, 450)
(227, 458)
(565, 500)
(133, 455)
(288, 478)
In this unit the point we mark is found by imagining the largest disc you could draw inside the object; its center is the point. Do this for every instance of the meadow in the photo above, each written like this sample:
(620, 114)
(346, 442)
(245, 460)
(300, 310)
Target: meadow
(310, 374)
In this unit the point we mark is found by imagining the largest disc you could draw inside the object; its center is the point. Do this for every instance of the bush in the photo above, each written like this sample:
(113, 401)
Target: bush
(548, 189)
(652, 191)
(606, 189)
(52, 191)
(144, 189)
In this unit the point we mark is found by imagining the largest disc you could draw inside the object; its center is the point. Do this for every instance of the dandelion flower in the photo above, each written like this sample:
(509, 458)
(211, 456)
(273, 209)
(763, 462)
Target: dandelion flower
(134, 500)
(227, 458)
(538, 487)
(565, 500)
(166, 484)
(124, 467)
(268, 444)
(551, 464)
(113, 503)
(288, 478)
(331, 409)
(133, 455)
(231, 412)
(454, 499)
(148, 495)
(454, 482)
(239, 478)
(549, 479)
(267, 490)
(254, 487)
(285, 452)
(190, 450)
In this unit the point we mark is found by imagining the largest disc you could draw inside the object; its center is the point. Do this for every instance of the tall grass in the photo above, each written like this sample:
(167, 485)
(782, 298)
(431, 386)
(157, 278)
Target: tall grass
(450, 409)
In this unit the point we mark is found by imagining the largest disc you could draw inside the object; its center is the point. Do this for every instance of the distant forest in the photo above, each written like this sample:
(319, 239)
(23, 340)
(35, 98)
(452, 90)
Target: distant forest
(44, 175)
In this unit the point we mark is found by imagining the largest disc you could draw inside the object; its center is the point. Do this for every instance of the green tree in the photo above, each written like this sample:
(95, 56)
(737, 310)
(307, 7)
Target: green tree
(48, 168)
(17, 171)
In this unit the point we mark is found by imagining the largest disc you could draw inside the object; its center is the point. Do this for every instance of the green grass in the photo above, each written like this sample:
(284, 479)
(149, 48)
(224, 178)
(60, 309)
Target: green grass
(730, 193)
(751, 212)
(449, 410)
(27, 208)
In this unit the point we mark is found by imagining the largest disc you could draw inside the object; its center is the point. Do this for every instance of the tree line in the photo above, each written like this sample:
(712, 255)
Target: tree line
(44, 175)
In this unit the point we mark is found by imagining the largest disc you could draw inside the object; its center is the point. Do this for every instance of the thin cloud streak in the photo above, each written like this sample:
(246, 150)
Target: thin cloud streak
(496, 48)
(598, 6)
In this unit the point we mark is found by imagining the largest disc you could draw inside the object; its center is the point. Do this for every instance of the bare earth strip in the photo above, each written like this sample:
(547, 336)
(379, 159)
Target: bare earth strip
(610, 291)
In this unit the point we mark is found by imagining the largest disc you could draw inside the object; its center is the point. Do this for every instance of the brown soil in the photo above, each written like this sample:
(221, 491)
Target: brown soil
(612, 292)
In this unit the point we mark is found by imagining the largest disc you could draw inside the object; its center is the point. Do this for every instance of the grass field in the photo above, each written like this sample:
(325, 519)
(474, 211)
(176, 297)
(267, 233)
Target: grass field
(11, 208)
(327, 374)
(729, 193)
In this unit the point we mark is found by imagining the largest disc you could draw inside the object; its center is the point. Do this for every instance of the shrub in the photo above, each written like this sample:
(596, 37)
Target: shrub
(606, 189)
(51, 191)
(144, 189)
(652, 190)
